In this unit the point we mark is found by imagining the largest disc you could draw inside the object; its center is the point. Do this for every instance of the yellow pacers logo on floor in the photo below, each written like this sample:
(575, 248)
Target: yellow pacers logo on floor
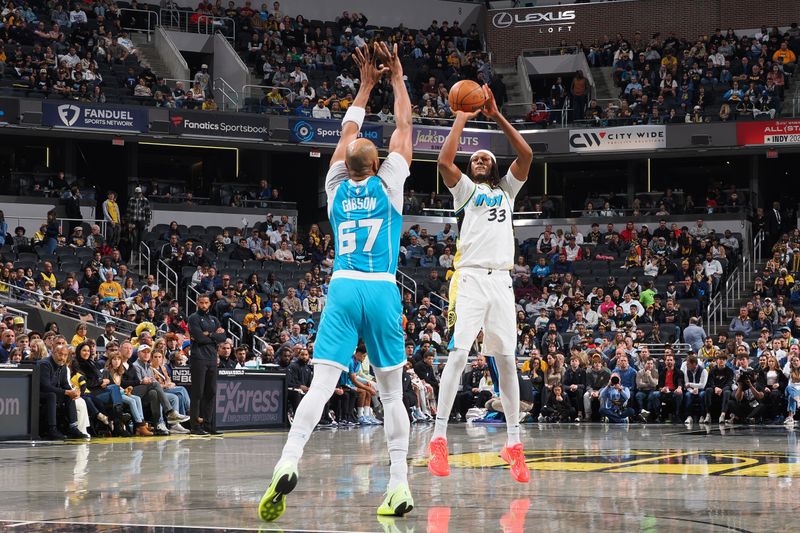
(680, 462)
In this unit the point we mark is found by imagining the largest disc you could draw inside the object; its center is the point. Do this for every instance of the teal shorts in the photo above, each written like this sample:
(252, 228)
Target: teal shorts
(361, 309)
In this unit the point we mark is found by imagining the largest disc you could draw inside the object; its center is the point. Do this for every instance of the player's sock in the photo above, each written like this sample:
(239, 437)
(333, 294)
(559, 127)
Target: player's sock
(310, 409)
(509, 394)
(395, 424)
(448, 386)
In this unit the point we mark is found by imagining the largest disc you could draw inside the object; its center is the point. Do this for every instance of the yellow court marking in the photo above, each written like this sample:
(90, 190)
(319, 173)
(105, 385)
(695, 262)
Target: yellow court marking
(670, 462)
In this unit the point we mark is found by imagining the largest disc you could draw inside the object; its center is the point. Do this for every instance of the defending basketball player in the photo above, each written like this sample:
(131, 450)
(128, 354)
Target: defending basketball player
(481, 295)
(365, 203)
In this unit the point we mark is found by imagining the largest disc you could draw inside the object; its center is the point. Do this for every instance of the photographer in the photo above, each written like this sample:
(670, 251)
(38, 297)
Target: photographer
(747, 402)
(719, 387)
(614, 401)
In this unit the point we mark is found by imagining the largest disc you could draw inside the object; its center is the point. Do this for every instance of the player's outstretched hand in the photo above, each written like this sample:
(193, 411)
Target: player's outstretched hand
(365, 59)
(490, 106)
(389, 58)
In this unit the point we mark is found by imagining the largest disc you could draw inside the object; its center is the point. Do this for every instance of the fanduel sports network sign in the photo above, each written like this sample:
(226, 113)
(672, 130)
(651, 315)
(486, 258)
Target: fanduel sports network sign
(206, 124)
(321, 131)
(546, 21)
(431, 139)
(618, 139)
(95, 117)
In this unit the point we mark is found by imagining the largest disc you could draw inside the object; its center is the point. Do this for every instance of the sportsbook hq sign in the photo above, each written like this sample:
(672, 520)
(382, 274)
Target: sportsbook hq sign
(209, 124)
(74, 115)
(618, 139)
(321, 131)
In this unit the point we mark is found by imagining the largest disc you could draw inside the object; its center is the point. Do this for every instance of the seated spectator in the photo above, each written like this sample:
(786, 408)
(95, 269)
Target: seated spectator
(57, 396)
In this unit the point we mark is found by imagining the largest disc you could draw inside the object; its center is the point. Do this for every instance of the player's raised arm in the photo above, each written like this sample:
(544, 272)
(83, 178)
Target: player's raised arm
(522, 164)
(401, 137)
(351, 123)
(447, 157)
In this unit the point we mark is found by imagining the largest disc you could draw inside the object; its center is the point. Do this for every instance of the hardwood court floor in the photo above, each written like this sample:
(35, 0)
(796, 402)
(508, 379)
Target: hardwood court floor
(585, 478)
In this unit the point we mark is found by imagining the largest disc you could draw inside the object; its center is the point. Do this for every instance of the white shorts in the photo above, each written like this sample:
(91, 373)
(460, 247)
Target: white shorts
(483, 299)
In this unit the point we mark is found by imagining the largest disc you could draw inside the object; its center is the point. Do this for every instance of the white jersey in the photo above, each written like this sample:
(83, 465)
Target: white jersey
(483, 212)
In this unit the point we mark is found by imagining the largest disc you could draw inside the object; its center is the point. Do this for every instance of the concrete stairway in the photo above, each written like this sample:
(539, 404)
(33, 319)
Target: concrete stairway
(148, 56)
(513, 91)
(604, 84)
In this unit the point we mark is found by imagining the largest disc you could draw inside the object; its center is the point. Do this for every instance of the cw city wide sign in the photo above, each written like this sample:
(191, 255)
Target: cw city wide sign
(546, 22)
(75, 115)
(620, 138)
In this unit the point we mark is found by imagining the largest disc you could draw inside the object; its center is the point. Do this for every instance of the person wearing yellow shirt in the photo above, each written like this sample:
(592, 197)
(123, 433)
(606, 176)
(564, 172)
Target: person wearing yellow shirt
(81, 333)
(112, 218)
(789, 57)
(110, 288)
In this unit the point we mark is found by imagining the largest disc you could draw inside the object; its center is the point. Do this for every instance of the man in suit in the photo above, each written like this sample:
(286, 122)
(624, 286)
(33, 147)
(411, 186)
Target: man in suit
(775, 223)
(56, 395)
(206, 334)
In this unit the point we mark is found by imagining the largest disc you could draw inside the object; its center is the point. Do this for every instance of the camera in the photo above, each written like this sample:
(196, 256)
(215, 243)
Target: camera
(746, 377)
(614, 380)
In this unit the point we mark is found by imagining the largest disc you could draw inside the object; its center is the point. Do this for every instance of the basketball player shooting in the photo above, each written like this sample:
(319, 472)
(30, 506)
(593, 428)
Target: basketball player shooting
(365, 204)
(481, 295)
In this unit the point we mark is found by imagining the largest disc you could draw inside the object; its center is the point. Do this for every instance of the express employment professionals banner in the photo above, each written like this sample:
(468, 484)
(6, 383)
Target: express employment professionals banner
(618, 139)
(208, 124)
(771, 132)
(321, 131)
(95, 117)
(431, 139)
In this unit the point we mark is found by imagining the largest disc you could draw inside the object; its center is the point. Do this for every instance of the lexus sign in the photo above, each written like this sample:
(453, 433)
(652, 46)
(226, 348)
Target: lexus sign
(548, 21)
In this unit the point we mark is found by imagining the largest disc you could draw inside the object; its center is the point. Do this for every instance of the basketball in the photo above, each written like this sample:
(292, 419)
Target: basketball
(466, 95)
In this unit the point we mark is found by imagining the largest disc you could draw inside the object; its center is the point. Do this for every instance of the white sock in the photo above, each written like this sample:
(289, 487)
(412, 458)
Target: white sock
(309, 411)
(509, 394)
(395, 423)
(448, 386)
(369, 412)
(360, 411)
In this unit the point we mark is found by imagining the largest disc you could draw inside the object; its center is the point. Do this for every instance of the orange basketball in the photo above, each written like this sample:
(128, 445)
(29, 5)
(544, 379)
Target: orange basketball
(466, 95)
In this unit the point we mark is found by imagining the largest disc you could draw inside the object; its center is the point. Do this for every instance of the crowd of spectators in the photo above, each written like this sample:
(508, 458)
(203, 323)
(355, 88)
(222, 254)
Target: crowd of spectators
(668, 78)
(602, 303)
(308, 63)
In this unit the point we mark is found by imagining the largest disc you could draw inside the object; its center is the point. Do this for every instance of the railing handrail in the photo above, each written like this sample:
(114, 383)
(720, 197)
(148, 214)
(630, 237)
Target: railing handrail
(145, 254)
(413, 283)
(227, 86)
(177, 53)
(12, 289)
(19, 312)
(170, 276)
(150, 28)
(237, 339)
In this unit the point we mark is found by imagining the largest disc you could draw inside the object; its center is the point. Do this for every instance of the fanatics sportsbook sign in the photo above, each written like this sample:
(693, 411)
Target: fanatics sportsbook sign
(208, 124)
(622, 138)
